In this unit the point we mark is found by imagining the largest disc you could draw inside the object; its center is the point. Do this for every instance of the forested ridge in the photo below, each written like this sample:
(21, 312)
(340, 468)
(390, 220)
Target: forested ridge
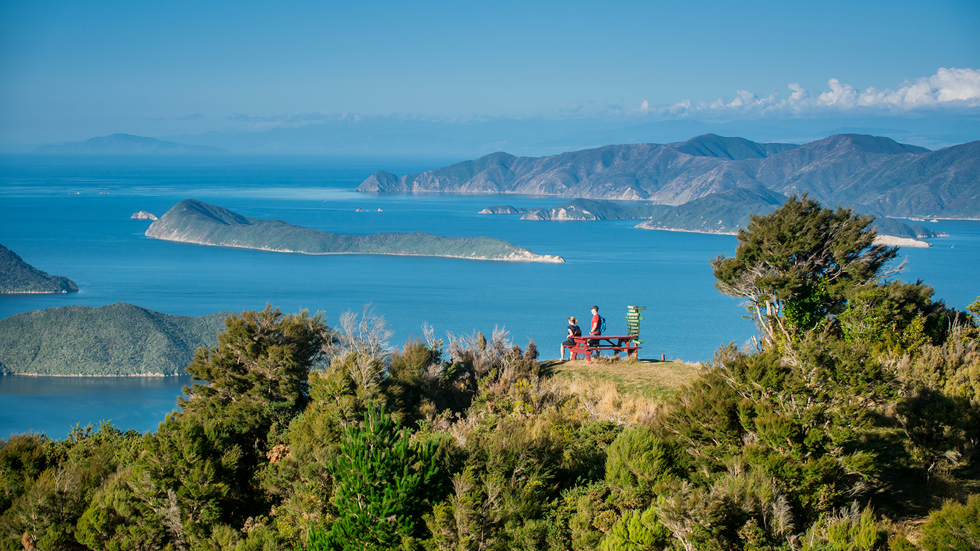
(17, 276)
(117, 339)
(852, 425)
(192, 221)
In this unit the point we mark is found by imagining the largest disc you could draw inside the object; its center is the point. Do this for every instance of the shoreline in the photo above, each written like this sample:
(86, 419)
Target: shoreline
(36, 292)
(77, 375)
(706, 232)
(546, 259)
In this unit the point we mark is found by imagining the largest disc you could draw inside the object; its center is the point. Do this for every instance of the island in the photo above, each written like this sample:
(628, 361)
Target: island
(192, 221)
(127, 144)
(115, 340)
(19, 277)
(143, 215)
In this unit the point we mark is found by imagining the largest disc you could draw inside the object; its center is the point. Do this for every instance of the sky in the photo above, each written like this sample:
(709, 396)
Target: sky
(72, 70)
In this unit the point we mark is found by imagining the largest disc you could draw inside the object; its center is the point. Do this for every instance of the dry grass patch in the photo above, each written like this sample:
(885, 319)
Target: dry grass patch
(648, 379)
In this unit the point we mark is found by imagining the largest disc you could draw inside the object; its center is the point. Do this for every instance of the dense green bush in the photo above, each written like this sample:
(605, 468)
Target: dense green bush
(955, 527)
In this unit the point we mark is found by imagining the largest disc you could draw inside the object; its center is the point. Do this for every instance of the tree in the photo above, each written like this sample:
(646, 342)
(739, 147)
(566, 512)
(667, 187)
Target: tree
(262, 358)
(380, 482)
(794, 266)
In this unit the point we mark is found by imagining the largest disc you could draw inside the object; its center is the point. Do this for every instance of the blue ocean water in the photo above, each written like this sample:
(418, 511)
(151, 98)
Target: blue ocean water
(71, 217)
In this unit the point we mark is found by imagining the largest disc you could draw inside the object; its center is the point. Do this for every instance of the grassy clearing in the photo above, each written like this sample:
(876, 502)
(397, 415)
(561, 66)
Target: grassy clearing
(648, 379)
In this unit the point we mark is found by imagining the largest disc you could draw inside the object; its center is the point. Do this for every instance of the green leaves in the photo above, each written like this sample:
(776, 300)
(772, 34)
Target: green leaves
(262, 357)
(380, 483)
(793, 267)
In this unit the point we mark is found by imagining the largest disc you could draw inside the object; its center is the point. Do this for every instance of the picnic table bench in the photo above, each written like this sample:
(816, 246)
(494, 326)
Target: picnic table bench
(587, 344)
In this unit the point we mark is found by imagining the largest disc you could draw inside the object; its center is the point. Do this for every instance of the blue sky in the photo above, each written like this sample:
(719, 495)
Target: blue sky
(72, 70)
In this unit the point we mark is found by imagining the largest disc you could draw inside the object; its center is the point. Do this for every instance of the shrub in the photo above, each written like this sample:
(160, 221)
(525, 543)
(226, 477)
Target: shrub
(955, 527)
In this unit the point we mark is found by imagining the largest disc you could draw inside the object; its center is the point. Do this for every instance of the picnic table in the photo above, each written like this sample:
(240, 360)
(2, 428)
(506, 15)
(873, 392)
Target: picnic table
(587, 344)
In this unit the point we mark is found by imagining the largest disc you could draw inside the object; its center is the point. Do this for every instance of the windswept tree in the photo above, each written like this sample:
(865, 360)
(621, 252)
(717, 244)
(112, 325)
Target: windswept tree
(262, 358)
(795, 266)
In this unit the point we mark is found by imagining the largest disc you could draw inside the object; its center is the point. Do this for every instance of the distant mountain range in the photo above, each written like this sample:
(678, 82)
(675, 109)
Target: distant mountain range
(388, 136)
(867, 173)
(118, 339)
(192, 221)
(126, 144)
(19, 277)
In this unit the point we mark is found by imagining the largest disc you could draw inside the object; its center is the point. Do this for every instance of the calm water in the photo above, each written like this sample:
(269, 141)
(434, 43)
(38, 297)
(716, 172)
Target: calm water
(72, 219)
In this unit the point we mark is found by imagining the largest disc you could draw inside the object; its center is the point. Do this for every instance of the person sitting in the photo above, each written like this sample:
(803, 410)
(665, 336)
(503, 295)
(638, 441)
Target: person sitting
(573, 331)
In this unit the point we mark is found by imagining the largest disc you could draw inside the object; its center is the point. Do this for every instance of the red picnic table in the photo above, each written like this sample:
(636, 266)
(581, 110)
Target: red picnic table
(587, 344)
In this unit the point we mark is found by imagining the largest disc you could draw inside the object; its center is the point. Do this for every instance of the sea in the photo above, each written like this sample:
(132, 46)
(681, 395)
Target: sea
(70, 216)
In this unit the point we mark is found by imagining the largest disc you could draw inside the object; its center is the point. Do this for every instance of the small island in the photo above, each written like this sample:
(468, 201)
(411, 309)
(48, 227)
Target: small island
(192, 221)
(143, 215)
(19, 277)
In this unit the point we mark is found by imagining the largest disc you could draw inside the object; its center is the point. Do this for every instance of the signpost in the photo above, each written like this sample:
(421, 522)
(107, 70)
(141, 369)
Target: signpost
(633, 318)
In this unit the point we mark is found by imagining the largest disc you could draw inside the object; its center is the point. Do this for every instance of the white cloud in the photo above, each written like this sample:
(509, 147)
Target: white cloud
(954, 89)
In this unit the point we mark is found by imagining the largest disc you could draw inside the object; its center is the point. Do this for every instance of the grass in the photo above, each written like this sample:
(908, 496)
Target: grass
(647, 379)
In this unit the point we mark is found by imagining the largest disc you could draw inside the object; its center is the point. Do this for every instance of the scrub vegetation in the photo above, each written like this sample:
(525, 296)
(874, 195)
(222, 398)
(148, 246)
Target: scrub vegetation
(852, 426)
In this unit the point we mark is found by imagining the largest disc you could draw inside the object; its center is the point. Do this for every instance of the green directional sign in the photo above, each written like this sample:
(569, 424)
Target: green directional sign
(633, 318)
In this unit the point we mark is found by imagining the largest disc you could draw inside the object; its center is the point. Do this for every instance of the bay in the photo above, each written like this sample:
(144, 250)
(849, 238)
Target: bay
(71, 217)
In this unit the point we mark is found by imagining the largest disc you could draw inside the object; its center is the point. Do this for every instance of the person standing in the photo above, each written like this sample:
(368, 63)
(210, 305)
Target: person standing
(573, 331)
(596, 328)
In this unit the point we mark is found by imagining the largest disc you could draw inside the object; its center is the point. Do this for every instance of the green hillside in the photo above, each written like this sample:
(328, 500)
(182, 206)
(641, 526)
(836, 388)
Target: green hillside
(17, 276)
(118, 339)
(735, 149)
(192, 221)
(723, 212)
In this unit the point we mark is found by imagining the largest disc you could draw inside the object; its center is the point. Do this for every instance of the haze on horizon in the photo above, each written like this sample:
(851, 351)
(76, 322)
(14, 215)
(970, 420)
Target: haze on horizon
(74, 70)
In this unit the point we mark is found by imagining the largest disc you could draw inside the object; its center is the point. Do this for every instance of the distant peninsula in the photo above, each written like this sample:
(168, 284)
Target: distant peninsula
(582, 209)
(19, 277)
(724, 212)
(127, 144)
(119, 339)
(866, 173)
(192, 221)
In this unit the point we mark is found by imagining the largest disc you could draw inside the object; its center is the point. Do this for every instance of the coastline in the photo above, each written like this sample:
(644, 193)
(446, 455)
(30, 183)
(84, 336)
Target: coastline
(514, 257)
(36, 292)
(149, 375)
(642, 227)
(893, 241)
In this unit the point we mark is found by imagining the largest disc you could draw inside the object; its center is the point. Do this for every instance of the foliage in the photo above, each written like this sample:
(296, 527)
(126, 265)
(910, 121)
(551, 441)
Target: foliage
(850, 529)
(262, 358)
(896, 316)
(474, 446)
(955, 527)
(380, 485)
(54, 480)
(796, 265)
